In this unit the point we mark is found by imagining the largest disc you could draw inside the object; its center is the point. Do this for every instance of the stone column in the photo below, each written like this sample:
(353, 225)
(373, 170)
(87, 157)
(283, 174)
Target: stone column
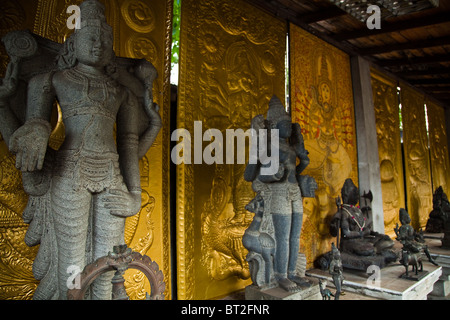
(366, 133)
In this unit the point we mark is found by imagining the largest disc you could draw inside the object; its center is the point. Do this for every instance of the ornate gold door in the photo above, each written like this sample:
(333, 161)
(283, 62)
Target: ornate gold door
(389, 148)
(417, 161)
(440, 167)
(322, 103)
(231, 63)
(142, 29)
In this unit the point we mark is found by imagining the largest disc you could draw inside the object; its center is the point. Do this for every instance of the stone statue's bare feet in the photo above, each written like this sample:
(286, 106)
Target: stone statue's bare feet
(288, 285)
(302, 282)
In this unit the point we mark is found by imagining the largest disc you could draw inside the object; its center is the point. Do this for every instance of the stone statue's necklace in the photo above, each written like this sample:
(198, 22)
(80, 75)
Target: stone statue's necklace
(353, 216)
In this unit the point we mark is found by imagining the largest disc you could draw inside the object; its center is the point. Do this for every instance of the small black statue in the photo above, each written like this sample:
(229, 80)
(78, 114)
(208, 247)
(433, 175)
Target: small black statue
(324, 292)
(336, 270)
(440, 213)
(413, 244)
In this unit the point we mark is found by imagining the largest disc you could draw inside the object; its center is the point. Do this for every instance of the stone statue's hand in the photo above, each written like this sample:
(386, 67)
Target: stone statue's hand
(258, 122)
(280, 173)
(9, 85)
(123, 203)
(151, 108)
(29, 144)
(153, 114)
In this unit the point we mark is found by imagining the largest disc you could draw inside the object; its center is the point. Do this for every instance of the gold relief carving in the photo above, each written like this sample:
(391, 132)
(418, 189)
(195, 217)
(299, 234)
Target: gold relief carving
(51, 19)
(16, 259)
(322, 103)
(138, 16)
(417, 165)
(440, 167)
(55, 16)
(231, 64)
(141, 47)
(389, 148)
(12, 16)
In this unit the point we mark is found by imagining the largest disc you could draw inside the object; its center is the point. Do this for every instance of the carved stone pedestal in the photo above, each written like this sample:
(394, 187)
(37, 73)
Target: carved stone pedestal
(441, 290)
(390, 285)
(252, 292)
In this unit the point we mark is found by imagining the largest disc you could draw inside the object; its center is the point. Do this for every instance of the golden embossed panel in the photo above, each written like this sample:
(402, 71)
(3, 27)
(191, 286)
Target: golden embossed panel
(138, 26)
(389, 148)
(417, 162)
(440, 167)
(16, 259)
(322, 103)
(231, 63)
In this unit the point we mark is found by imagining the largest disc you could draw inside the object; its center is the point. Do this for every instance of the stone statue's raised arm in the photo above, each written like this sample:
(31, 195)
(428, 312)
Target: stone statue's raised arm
(29, 142)
(147, 73)
(8, 120)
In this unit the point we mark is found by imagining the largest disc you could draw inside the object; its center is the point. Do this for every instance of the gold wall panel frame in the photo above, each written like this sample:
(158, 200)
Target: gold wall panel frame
(149, 231)
(322, 103)
(231, 63)
(16, 259)
(439, 156)
(417, 161)
(386, 104)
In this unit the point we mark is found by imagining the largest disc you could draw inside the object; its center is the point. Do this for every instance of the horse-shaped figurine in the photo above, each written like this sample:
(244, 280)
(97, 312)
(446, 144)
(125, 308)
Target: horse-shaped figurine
(411, 259)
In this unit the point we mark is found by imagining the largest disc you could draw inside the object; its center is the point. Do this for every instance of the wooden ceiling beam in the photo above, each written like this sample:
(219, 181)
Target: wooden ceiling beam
(413, 61)
(436, 81)
(321, 15)
(427, 72)
(427, 43)
(284, 13)
(440, 17)
(434, 88)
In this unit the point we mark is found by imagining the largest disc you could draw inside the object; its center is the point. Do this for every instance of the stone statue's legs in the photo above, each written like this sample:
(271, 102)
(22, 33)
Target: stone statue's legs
(108, 232)
(282, 225)
(294, 238)
(70, 213)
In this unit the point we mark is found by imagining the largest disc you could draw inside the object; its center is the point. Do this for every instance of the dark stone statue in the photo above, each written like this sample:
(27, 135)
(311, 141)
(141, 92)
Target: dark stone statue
(440, 213)
(336, 271)
(359, 245)
(413, 244)
(439, 220)
(273, 238)
(80, 194)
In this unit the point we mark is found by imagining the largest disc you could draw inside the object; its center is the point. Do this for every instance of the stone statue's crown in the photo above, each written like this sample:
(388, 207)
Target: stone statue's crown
(334, 250)
(93, 14)
(404, 216)
(276, 111)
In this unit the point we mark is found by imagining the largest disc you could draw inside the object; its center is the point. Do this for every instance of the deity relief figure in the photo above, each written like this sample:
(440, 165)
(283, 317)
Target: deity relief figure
(278, 206)
(330, 161)
(81, 194)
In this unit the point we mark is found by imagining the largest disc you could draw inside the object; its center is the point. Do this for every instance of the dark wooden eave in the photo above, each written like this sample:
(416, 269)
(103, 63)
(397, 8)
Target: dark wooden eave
(414, 48)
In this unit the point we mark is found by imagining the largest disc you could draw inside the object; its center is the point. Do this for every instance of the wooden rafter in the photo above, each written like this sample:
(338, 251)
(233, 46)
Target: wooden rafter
(321, 15)
(413, 61)
(420, 44)
(440, 17)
